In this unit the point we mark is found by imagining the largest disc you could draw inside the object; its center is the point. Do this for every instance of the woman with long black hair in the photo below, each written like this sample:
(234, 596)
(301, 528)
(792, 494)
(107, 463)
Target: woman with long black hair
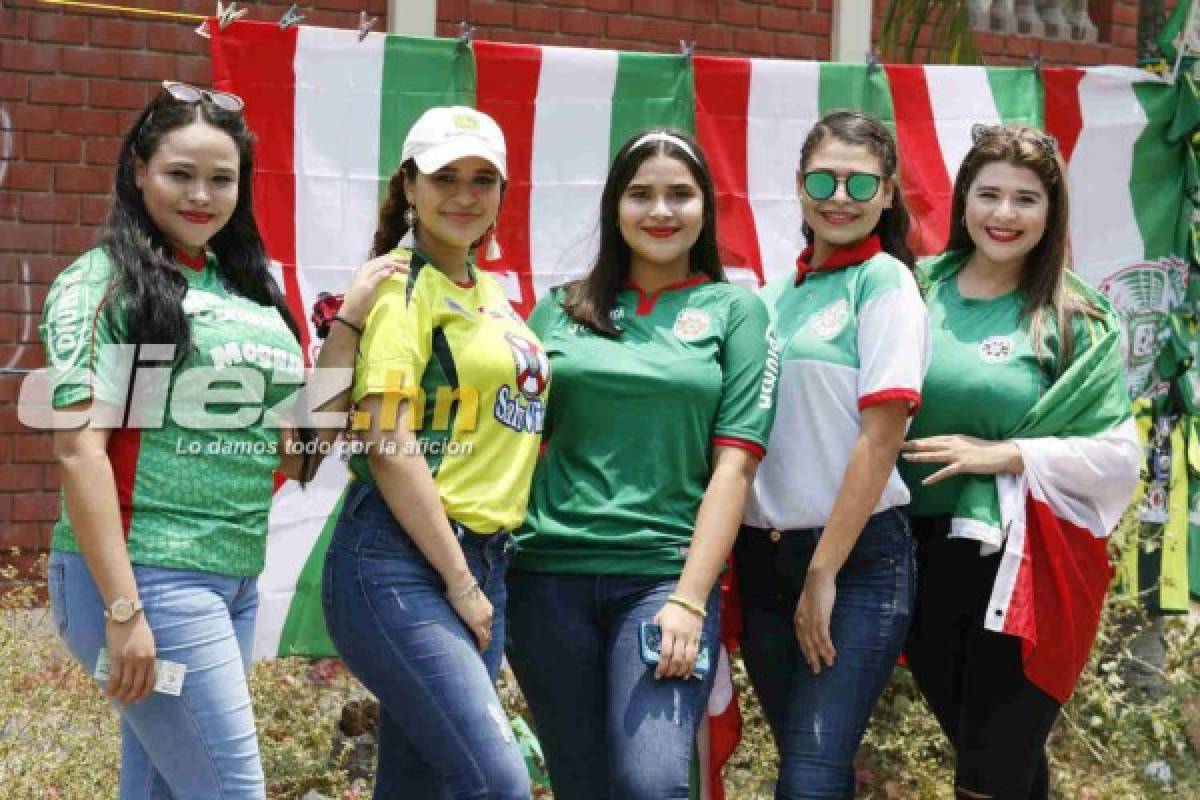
(166, 490)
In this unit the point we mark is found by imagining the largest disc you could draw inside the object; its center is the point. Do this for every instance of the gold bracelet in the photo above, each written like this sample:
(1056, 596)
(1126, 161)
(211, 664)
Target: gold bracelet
(683, 602)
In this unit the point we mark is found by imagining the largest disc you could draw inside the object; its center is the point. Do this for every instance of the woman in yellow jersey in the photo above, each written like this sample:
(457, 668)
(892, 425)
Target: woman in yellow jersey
(449, 392)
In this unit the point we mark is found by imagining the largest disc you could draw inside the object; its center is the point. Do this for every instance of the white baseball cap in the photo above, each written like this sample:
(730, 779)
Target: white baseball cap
(448, 133)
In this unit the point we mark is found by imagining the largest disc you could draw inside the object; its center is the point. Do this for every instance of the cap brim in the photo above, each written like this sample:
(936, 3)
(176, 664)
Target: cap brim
(437, 157)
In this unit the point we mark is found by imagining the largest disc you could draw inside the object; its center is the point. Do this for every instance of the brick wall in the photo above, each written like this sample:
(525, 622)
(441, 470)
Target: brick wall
(71, 81)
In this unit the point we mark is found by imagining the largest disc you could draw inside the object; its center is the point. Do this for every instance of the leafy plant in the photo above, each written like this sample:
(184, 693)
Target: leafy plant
(946, 25)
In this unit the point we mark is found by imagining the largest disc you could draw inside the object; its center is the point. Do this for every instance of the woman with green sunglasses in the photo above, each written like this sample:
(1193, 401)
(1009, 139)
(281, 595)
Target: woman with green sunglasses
(824, 559)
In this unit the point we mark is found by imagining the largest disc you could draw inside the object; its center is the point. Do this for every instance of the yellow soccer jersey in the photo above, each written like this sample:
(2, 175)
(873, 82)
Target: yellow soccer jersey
(477, 380)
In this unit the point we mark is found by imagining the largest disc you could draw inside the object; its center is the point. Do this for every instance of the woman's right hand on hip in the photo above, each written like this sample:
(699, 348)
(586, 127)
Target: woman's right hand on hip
(131, 654)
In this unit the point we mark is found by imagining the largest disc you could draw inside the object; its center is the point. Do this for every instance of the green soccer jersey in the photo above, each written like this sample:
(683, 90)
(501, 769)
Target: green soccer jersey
(482, 377)
(984, 377)
(633, 421)
(194, 459)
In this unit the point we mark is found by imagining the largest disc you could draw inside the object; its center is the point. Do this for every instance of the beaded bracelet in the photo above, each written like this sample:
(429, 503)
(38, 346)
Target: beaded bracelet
(464, 592)
(683, 602)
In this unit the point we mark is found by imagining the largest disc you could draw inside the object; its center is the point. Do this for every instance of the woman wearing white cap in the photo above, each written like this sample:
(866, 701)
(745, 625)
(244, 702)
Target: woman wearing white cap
(449, 391)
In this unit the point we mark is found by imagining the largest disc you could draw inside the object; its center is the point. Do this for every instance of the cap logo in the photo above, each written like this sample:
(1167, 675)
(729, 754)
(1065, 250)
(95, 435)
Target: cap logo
(466, 122)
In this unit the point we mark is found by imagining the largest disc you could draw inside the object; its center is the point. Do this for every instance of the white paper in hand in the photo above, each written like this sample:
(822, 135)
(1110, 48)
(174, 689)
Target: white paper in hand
(168, 675)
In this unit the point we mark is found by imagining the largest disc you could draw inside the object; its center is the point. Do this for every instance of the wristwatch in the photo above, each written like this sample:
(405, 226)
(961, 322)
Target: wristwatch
(123, 609)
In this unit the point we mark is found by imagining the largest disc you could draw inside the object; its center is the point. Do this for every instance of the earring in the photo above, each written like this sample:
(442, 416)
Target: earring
(493, 251)
(410, 217)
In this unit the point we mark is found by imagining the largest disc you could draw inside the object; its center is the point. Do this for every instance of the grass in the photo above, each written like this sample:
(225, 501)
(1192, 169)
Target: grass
(58, 737)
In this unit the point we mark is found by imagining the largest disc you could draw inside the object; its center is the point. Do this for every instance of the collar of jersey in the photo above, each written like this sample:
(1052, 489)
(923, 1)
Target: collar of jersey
(409, 242)
(840, 258)
(196, 264)
(646, 302)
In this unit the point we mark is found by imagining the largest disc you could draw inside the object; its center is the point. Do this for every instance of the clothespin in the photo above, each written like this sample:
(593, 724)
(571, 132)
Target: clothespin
(227, 16)
(202, 30)
(1035, 62)
(872, 61)
(687, 49)
(290, 18)
(465, 34)
(365, 24)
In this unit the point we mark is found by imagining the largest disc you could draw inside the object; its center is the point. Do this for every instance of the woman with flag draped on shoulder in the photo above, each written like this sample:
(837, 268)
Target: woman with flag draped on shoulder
(1020, 462)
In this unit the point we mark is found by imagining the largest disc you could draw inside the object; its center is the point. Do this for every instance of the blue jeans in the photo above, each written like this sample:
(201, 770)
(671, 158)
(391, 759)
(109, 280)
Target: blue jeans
(202, 744)
(607, 728)
(818, 720)
(442, 730)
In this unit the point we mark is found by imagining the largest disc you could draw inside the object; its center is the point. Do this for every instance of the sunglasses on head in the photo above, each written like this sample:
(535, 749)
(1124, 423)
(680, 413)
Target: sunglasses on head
(1043, 141)
(821, 184)
(186, 93)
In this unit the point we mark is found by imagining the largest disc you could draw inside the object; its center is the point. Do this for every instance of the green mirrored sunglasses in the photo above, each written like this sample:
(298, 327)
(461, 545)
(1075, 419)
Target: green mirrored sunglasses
(821, 184)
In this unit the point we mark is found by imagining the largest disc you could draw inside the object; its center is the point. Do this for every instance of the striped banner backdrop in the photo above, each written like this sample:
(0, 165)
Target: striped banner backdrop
(331, 112)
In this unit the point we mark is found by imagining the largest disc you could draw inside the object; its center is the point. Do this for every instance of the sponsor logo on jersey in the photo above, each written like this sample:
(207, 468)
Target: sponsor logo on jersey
(996, 349)
(829, 321)
(766, 394)
(691, 324)
(68, 331)
(501, 314)
(524, 412)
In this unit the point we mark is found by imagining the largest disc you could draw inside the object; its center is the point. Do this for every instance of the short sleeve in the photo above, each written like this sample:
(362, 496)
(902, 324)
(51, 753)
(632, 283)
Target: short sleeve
(79, 336)
(893, 338)
(747, 404)
(396, 342)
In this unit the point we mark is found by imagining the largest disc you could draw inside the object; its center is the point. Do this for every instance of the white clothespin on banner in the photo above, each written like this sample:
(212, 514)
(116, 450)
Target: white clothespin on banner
(465, 34)
(686, 49)
(365, 24)
(202, 30)
(227, 16)
(290, 18)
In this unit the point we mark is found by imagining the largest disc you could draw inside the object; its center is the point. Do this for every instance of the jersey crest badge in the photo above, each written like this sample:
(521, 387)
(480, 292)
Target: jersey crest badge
(829, 321)
(996, 349)
(691, 324)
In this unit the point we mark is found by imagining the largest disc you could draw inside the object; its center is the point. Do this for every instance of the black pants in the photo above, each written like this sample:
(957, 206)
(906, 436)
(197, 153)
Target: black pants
(995, 718)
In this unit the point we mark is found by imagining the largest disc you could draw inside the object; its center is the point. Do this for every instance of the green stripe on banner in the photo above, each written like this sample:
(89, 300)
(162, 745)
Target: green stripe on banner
(1019, 96)
(651, 90)
(858, 87)
(304, 632)
(1156, 184)
(418, 74)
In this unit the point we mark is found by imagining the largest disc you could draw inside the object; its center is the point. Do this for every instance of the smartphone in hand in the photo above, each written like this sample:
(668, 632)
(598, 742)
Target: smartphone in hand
(650, 641)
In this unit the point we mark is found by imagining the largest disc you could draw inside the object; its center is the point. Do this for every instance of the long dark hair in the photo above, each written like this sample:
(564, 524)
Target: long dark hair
(1042, 278)
(149, 282)
(863, 130)
(392, 226)
(147, 278)
(590, 300)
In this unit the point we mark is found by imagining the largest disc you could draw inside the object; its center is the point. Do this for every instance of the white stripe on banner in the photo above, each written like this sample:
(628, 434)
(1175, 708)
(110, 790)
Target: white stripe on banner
(960, 97)
(1105, 236)
(571, 132)
(783, 106)
(297, 517)
(338, 86)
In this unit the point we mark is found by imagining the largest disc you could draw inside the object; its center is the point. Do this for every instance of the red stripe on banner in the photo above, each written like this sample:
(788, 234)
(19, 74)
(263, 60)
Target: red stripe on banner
(722, 100)
(1056, 602)
(923, 177)
(124, 445)
(1064, 117)
(254, 61)
(506, 86)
